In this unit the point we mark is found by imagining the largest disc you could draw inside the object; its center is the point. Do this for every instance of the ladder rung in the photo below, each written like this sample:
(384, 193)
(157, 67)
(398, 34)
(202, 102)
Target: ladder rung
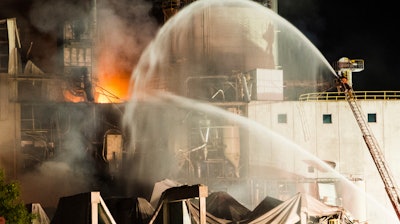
(376, 155)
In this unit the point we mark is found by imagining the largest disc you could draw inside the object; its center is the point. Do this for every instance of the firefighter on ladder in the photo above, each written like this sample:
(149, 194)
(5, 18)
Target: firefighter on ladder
(343, 83)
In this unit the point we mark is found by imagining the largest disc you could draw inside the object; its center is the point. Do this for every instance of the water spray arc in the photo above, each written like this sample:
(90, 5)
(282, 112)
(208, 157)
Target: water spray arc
(215, 101)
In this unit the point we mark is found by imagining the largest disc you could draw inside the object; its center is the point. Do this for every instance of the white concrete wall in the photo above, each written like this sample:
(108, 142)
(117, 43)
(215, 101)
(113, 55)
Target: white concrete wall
(340, 142)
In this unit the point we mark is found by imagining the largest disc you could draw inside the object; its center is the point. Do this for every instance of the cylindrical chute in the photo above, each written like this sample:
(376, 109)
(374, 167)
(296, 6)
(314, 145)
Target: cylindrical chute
(232, 147)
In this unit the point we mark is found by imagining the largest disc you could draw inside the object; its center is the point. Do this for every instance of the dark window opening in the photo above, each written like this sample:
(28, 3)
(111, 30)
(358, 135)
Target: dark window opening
(327, 118)
(282, 118)
(372, 118)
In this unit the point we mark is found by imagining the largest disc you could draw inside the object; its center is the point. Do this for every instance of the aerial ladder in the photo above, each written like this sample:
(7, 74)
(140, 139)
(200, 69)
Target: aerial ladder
(344, 68)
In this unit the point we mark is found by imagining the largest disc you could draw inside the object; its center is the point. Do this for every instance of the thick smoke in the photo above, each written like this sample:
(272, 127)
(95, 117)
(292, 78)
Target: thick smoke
(124, 30)
(49, 16)
(70, 170)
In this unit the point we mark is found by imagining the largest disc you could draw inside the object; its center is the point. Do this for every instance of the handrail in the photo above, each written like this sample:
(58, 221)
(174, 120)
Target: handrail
(359, 95)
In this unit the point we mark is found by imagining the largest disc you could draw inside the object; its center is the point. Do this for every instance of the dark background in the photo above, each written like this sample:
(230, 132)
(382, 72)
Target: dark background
(355, 29)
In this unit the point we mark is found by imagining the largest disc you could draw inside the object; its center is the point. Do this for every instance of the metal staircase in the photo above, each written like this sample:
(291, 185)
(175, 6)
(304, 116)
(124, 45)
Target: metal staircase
(377, 156)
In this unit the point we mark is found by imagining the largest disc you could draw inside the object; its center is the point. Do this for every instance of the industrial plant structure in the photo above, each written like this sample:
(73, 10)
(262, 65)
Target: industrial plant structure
(316, 146)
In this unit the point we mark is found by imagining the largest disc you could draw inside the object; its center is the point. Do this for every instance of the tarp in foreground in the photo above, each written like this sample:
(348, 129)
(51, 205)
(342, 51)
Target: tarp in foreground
(297, 209)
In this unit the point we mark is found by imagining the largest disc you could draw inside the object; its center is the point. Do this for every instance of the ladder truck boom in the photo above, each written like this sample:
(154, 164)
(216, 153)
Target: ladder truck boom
(344, 68)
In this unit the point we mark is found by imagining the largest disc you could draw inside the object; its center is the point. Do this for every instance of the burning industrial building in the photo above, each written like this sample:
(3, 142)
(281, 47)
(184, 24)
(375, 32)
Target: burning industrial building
(208, 101)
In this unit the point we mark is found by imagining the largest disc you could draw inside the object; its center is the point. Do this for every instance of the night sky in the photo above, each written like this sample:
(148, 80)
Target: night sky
(355, 29)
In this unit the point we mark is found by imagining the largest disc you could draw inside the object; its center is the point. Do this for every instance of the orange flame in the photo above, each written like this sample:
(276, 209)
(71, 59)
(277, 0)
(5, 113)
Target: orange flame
(113, 79)
(112, 88)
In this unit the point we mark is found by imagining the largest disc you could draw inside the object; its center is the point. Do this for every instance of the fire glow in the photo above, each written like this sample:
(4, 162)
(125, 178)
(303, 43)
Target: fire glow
(112, 88)
(112, 83)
